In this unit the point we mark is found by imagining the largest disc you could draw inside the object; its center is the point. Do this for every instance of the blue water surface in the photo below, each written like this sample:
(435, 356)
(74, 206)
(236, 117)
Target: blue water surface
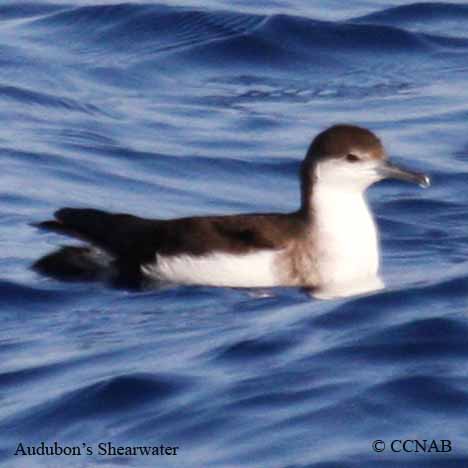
(207, 106)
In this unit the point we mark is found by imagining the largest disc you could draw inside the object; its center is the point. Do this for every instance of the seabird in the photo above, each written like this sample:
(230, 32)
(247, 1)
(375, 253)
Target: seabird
(329, 245)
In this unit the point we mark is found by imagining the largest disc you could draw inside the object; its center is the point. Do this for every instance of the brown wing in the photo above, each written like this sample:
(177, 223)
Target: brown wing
(139, 239)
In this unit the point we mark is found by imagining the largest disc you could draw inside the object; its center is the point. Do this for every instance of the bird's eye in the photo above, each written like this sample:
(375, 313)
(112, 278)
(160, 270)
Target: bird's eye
(352, 158)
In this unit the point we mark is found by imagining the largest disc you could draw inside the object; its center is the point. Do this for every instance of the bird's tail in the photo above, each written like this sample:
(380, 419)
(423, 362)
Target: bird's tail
(83, 263)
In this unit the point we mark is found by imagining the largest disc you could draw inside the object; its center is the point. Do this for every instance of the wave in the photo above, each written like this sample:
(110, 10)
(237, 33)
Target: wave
(27, 10)
(415, 12)
(90, 364)
(14, 295)
(30, 97)
(406, 391)
(109, 396)
(389, 462)
(151, 28)
(158, 33)
(260, 348)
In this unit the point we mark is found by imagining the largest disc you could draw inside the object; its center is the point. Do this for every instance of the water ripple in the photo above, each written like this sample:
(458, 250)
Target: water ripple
(168, 111)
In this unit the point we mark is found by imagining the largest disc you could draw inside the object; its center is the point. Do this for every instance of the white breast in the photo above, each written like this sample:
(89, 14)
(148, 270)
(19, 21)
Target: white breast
(217, 269)
(347, 250)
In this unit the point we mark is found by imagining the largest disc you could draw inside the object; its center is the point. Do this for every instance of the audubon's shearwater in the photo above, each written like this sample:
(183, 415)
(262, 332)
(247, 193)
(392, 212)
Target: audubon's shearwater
(329, 245)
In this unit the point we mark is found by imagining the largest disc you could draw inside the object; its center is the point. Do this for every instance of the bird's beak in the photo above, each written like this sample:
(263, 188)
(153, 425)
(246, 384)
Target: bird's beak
(392, 171)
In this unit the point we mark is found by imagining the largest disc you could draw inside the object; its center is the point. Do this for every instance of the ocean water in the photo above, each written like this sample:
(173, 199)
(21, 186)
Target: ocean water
(207, 106)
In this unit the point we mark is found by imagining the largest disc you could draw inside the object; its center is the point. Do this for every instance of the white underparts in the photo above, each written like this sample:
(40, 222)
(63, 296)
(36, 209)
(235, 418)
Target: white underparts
(346, 241)
(249, 270)
(338, 257)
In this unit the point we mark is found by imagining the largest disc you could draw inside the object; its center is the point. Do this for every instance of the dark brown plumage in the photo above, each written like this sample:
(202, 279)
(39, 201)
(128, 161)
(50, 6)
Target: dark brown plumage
(132, 241)
(342, 139)
(336, 142)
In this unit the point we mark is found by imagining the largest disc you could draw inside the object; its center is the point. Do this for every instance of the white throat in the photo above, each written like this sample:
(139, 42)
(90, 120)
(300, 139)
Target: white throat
(346, 241)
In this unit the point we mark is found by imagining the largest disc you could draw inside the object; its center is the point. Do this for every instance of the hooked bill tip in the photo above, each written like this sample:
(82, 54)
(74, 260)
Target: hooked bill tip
(425, 182)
